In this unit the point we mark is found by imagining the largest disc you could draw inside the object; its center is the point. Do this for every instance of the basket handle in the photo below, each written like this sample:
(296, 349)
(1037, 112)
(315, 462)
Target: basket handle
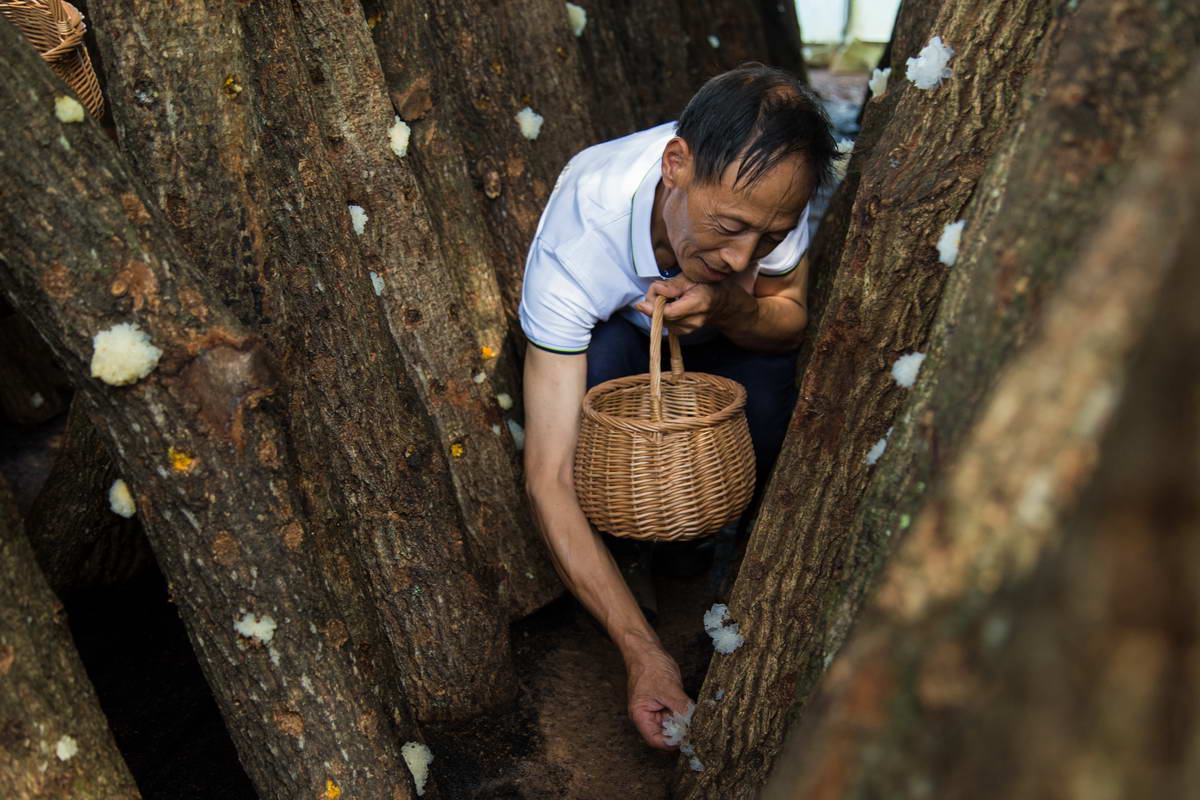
(656, 326)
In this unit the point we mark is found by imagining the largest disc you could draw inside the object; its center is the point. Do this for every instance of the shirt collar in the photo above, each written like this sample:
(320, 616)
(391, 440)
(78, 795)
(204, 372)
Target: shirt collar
(639, 221)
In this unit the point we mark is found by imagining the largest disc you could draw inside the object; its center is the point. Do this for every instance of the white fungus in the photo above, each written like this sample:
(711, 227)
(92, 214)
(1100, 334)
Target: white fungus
(879, 81)
(377, 282)
(929, 67)
(715, 617)
(727, 639)
(845, 147)
(123, 354)
(36, 400)
(947, 245)
(66, 748)
(876, 451)
(505, 401)
(120, 500)
(417, 756)
(398, 135)
(358, 217)
(252, 627)
(725, 635)
(695, 764)
(530, 122)
(675, 727)
(713, 42)
(905, 370)
(67, 109)
(496, 429)
(577, 18)
(479, 377)
(518, 434)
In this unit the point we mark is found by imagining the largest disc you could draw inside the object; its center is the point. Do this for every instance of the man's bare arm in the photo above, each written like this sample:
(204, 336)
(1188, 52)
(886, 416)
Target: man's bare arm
(554, 389)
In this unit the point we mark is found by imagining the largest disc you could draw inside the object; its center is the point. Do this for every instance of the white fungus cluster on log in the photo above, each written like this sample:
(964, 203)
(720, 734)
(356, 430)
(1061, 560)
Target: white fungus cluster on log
(713, 42)
(724, 634)
(68, 109)
(947, 245)
(377, 283)
(675, 727)
(876, 451)
(879, 81)
(927, 70)
(417, 756)
(905, 370)
(398, 136)
(576, 18)
(530, 122)
(120, 499)
(358, 218)
(518, 434)
(261, 629)
(66, 748)
(505, 401)
(122, 354)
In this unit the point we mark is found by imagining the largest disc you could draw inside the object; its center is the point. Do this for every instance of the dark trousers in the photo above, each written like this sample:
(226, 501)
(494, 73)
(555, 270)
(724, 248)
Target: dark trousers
(620, 348)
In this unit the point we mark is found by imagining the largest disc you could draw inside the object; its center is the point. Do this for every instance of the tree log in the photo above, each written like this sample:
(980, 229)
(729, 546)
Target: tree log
(1037, 628)
(920, 176)
(77, 538)
(372, 468)
(423, 299)
(199, 442)
(54, 739)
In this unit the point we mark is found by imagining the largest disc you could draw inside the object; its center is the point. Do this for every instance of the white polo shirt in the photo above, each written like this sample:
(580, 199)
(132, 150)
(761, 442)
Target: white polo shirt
(592, 256)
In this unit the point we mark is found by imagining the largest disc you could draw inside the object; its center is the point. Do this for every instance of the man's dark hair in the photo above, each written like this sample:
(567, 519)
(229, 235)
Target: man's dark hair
(761, 115)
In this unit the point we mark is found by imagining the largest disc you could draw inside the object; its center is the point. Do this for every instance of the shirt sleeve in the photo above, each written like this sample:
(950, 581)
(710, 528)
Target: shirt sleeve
(556, 313)
(786, 256)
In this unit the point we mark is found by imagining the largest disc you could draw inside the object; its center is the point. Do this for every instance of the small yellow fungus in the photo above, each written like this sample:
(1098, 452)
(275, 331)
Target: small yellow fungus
(332, 790)
(487, 352)
(180, 461)
(456, 450)
(232, 87)
(372, 21)
(67, 109)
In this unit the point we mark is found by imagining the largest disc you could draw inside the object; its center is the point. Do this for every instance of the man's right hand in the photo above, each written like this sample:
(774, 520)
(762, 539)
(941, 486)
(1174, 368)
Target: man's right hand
(655, 692)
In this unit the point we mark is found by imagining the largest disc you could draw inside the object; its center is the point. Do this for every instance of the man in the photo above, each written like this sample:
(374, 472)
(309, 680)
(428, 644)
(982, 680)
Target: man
(712, 213)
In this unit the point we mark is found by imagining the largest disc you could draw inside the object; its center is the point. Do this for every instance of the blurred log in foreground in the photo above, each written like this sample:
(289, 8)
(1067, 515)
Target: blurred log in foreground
(1037, 632)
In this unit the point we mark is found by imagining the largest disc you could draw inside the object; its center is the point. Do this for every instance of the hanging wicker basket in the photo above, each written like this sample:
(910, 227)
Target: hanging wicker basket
(664, 458)
(56, 29)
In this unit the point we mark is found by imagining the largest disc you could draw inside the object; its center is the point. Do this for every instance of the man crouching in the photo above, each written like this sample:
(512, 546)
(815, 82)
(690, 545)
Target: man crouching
(711, 212)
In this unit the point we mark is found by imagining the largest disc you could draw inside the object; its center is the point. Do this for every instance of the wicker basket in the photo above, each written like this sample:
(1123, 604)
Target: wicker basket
(666, 459)
(56, 29)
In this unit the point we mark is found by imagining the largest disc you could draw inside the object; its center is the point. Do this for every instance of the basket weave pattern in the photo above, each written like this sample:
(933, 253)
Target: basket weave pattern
(55, 29)
(666, 458)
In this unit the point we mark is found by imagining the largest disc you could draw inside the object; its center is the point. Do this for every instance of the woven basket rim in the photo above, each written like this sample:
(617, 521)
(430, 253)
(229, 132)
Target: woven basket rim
(675, 424)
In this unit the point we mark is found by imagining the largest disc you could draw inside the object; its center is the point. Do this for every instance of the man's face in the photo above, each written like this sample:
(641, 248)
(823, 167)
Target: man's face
(716, 230)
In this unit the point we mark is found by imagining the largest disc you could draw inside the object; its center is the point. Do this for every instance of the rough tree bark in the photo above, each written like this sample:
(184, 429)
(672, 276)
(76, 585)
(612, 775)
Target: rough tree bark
(374, 473)
(78, 540)
(1056, 569)
(199, 442)
(54, 739)
(920, 176)
(1092, 93)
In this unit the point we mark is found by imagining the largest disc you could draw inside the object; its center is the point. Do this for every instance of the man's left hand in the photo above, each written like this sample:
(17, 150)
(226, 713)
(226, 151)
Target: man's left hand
(695, 304)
